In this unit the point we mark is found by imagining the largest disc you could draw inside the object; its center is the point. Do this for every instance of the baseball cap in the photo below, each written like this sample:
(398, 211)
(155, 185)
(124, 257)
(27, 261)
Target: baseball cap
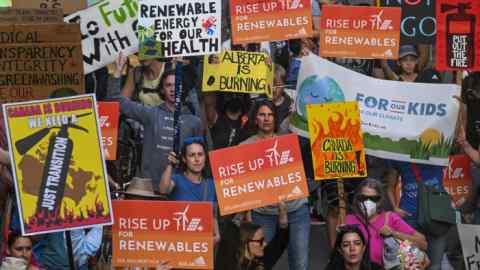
(407, 50)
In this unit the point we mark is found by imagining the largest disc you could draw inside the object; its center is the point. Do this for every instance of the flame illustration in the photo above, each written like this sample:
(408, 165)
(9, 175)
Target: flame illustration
(49, 220)
(338, 127)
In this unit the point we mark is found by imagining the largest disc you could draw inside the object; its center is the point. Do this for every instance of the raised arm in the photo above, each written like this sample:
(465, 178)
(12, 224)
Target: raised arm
(166, 184)
(128, 107)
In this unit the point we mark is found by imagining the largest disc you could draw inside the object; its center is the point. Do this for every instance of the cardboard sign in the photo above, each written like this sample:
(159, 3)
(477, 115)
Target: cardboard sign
(360, 32)
(68, 6)
(253, 175)
(457, 178)
(418, 25)
(109, 113)
(336, 140)
(270, 20)
(39, 61)
(389, 118)
(170, 28)
(470, 239)
(30, 15)
(174, 231)
(108, 28)
(58, 166)
(238, 72)
(458, 35)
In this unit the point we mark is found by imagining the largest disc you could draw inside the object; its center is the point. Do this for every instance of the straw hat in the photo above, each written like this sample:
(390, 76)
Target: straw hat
(142, 187)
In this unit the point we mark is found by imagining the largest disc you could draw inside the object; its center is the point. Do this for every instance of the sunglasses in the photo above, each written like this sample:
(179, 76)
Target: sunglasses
(196, 139)
(375, 198)
(259, 241)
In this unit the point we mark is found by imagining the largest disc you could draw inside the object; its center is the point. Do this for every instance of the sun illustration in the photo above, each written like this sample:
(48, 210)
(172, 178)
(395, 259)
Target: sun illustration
(430, 136)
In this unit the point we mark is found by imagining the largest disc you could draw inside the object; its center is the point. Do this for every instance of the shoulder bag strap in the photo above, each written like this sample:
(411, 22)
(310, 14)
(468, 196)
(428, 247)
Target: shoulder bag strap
(205, 190)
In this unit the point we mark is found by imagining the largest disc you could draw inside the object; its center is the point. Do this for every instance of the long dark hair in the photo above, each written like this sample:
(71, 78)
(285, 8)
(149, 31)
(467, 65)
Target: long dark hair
(194, 140)
(337, 261)
(246, 232)
(13, 236)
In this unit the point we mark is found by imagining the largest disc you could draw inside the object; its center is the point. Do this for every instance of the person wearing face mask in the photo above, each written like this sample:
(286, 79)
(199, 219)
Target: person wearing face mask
(368, 212)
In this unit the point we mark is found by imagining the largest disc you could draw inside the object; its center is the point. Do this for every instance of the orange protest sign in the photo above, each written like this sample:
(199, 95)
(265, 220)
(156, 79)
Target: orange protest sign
(175, 231)
(108, 113)
(360, 32)
(336, 140)
(258, 174)
(457, 178)
(270, 20)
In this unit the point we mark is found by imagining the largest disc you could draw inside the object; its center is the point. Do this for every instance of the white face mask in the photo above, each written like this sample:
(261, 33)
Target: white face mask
(370, 207)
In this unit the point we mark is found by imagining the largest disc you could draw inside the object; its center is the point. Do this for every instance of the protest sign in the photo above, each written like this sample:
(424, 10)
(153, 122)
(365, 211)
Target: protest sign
(389, 118)
(109, 114)
(253, 175)
(458, 35)
(174, 231)
(418, 25)
(457, 178)
(57, 164)
(238, 72)
(5, 3)
(360, 32)
(68, 6)
(30, 15)
(170, 28)
(270, 20)
(38, 61)
(470, 239)
(108, 28)
(336, 140)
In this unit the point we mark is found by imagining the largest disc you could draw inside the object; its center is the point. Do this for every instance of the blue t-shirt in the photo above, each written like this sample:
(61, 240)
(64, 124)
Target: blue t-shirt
(431, 176)
(186, 190)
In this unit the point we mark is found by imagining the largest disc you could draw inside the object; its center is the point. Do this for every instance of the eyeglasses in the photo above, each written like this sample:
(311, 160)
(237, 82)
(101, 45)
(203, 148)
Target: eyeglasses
(196, 139)
(375, 198)
(258, 241)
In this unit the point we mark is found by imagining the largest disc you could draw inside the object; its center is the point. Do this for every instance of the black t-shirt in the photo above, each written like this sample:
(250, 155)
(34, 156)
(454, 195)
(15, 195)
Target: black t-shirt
(225, 132)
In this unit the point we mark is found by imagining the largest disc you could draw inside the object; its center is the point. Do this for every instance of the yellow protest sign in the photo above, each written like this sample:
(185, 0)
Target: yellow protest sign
(58, 166)
(238, 72)
(336, 140)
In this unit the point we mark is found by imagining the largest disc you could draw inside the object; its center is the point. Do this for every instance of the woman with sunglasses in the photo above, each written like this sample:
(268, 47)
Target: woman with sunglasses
(368, 212)
(189, 182)
(350, 251)
(252, 252)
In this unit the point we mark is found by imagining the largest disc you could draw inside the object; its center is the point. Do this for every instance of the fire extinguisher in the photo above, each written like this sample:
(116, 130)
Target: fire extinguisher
(460, 36)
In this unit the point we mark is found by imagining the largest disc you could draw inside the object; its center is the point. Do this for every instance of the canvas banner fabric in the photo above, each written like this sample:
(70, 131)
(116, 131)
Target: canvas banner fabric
(390, 119)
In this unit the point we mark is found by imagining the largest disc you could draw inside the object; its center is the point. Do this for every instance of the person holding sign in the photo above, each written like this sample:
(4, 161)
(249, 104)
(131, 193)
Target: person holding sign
(263, 123)
(157, 121)
(368, 212)
(19, 253)
(188, 183)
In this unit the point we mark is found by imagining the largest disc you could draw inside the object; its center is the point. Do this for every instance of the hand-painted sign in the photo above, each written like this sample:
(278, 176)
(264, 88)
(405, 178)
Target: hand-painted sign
(60, 183)
(336, 140)
(458, 35)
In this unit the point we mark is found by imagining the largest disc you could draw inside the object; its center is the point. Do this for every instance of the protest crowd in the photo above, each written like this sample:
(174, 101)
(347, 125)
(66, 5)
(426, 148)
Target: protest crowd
(214, 134)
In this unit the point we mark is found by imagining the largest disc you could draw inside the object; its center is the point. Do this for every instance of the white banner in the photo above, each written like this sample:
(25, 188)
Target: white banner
(108, 28)
(400, 120)
(470, 239)
(171, 28)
